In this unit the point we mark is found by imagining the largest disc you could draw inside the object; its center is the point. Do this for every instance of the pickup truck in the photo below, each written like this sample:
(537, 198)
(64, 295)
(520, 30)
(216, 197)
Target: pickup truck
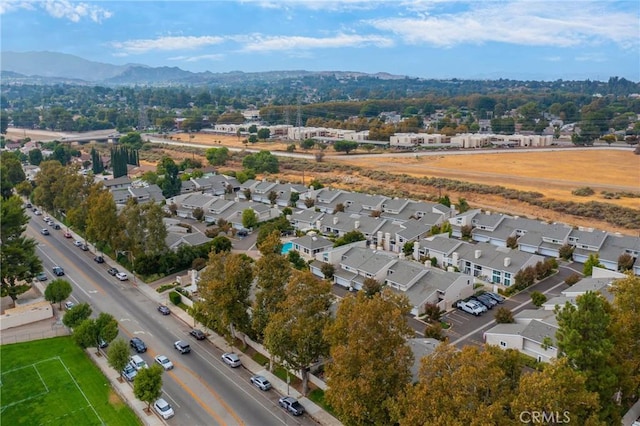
(469, 307)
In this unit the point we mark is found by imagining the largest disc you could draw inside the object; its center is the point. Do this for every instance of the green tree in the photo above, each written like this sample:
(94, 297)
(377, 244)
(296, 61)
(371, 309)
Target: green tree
(18, 259)
(261, 162)
(307, 144)
(147, 386)
(221, 244)
(57, 291)
(538, 298)
(170, 182)
(118, 355)
(35, 157)
(12, 172)
(592, 261)
(455, 387)
(584, 338)
(294, 331)
(264, 133)
(371, 359)
(349, 237)
(249, 218)
(102, 217)
(463, 205)
(345, 146)
(24, 188)
(224, 288)
(131, 140)
(272, 272)
(74, 316)
(557, 389)
(217, 156)
(626, 329)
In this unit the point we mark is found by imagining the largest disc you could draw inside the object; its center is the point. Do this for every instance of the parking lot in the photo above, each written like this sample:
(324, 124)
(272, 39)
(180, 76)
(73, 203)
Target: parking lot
(467, 329)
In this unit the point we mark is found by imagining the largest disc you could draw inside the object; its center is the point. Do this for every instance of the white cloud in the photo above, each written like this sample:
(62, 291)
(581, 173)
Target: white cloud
(530, 23)
(7, 6)
(166, 43)
(323, 5)
(75, 11)
(271, 43)
(211, 57)
(591, 57)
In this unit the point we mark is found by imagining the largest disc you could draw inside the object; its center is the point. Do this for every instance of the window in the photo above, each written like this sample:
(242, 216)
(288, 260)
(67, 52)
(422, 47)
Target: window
(503, 344)
(496, 276)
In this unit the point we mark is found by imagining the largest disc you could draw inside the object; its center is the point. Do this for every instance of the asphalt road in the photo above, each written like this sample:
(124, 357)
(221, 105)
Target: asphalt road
(202, 389)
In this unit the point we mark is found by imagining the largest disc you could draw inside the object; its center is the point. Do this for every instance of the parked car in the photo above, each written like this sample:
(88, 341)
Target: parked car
(231, 359)
(112, 271)
(28, 205)
(55, 226)
(102, 343)
(122, 276)
(137, 362)
(41, 276)
(198, 334)
(129, 372)
(486, 300)
(37, 212)
(182, 347)
(164, 310)
(78, 243)
(69, 304)
(44, 231)
(495, 296)
(137, 344)
(46, 219)
(261, 382)
(164, 362)
(468, 307)
(67, 234)
(291, 405)
(58, 271)
(163, 408)
(478, 304)
(99, 259)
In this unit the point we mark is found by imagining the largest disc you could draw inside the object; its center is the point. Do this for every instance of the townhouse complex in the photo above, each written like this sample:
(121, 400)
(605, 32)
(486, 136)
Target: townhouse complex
(399, 247)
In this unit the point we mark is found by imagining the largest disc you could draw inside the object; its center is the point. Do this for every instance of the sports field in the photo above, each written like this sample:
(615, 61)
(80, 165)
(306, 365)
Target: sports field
(53, 382)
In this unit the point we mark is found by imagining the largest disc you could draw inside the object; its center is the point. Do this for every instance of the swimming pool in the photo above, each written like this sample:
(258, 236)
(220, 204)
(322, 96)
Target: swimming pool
(286, 247)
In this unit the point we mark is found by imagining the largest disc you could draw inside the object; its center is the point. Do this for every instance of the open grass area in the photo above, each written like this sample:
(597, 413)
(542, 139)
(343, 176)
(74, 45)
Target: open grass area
(52, 381)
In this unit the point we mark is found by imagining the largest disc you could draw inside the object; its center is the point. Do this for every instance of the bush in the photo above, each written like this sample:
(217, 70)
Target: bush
(538, 298)
(583, 192)
(434, 331)
(175, 298)
(572, 279)
(504, 316)
(566, 252)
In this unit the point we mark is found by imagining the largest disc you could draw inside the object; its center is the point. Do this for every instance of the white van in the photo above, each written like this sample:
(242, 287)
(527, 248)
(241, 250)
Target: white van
(137, 362)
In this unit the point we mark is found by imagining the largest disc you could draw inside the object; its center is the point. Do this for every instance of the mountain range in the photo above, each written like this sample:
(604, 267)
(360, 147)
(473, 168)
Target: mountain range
(54, 68)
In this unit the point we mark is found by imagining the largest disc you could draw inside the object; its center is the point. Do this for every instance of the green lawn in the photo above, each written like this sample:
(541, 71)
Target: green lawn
(52, 381)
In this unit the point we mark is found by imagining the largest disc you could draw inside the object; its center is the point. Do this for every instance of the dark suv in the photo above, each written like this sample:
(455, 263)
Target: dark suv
(198, 334)
(138, 345)
(58, 271)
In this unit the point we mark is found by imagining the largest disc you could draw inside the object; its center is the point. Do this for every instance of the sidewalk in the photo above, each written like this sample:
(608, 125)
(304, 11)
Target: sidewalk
(125, 390)
(312, 409)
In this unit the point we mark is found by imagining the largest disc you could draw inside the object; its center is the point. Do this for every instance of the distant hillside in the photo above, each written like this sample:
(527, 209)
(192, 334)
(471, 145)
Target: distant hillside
(54, 68)
(60, 65)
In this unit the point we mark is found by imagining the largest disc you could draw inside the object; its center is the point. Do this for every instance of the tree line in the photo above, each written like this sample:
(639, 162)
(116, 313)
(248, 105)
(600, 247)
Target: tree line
(367, 360)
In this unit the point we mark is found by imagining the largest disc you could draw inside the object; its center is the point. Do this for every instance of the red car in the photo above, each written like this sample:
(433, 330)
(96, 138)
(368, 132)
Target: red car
(67, 234)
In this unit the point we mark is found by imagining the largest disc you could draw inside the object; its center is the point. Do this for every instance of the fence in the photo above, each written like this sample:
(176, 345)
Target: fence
(8, 338)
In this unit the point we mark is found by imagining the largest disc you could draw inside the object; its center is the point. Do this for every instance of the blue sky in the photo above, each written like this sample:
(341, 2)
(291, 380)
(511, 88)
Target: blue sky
(541, 40)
